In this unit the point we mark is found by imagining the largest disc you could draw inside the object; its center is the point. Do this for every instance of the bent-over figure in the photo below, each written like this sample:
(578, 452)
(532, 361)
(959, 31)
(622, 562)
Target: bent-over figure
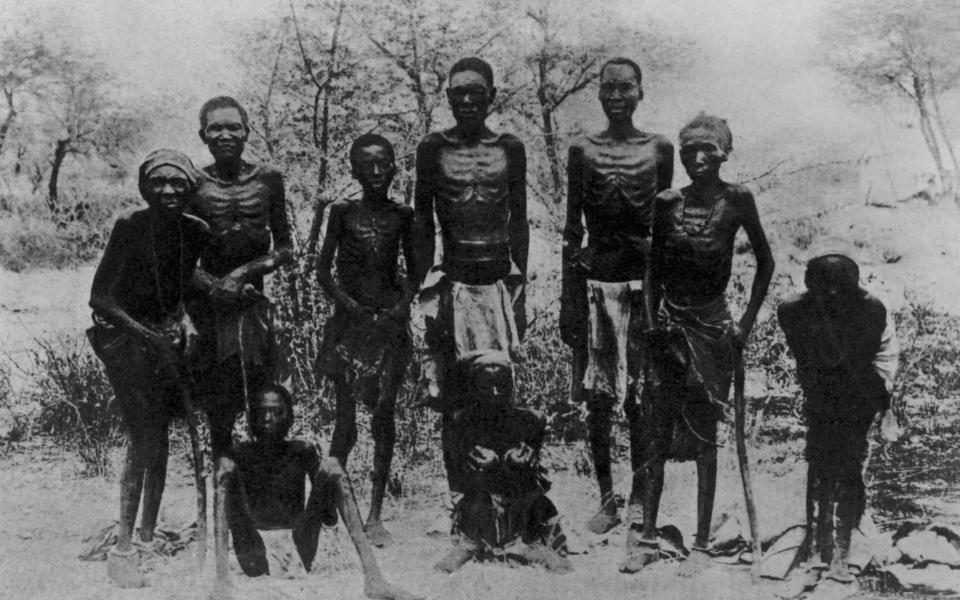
(845, 346)
(366, 344)
(142, 333)
(614, 177)
(692, 349)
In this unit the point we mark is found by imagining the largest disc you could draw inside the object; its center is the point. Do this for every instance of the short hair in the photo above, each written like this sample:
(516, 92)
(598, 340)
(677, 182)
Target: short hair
(365, 141)
(833, 271)
(222, 102)
(283, 393)
(477, 65)
(621, 60)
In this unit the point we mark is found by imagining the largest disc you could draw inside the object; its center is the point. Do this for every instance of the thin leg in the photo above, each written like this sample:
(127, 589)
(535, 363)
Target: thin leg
(154, 481)
(706, 490)
(374, 585)
(247, 543)
(345, 429)
(600, 424)
(384, 431)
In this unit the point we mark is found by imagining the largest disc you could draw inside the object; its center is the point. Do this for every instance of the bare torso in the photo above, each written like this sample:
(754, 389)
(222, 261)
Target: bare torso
(245, 215)
(613, 182)
(695, 251)
(273, 477)
(369, 241)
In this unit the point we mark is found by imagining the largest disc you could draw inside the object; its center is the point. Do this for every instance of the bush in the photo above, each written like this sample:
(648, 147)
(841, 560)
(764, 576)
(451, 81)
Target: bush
(76, 401)
(31, 236)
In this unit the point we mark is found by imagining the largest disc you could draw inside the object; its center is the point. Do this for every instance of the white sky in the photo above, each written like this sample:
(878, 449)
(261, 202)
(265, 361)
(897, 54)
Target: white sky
(756, 67)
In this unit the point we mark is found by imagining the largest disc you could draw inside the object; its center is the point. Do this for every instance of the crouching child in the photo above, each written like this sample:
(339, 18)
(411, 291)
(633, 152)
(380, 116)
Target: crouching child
(504, 511)
(846, 351)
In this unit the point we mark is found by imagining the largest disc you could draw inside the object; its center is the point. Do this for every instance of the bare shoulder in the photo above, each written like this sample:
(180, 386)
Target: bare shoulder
(431, 141)
(404, 210)
(132, 217)
(510, 141)
(663, 143)
(788, 309)
(739, 194)
(340, 206)
(667, 197)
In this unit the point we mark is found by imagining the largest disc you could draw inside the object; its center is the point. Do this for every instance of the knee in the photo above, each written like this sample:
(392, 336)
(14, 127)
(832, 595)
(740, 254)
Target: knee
(331, 469)
(227, 471)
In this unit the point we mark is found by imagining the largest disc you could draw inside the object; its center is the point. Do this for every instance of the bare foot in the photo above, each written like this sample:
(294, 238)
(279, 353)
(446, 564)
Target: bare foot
(381, 590)
(548, 558)
(456, 558)
(378, 534)
(638, 558)
(123, 568)
(603, 521)
(254, 563)
(698, 561)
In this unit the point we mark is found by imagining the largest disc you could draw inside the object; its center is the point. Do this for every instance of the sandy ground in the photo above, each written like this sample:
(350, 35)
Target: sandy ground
(46, 508)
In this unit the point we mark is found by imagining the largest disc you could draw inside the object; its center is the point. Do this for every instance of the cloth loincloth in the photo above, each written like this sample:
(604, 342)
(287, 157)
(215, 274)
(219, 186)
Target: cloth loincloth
(461, 318)
(699, 345)
(364, 352)
(615, 321)
(692, 356)
(247, 333)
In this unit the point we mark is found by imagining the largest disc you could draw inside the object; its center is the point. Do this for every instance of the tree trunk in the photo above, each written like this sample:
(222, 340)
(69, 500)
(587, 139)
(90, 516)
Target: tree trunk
(553, 155)
(8, 120)
(946, 140)
(926, 127)
(60, 153)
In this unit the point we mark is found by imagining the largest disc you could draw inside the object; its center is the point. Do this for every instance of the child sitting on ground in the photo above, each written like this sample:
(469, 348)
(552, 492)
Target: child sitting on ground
(504, 510)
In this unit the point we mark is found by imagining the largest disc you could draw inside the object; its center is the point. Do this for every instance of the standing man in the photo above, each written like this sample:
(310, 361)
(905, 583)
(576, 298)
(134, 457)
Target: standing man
(366, 346)
(614, 177)
(250, 237)
(475, 180)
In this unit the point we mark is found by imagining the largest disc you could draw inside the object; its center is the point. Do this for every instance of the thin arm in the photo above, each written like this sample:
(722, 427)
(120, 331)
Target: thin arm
(325, 260)
(765, 263)
(424, 226)
(519, 226)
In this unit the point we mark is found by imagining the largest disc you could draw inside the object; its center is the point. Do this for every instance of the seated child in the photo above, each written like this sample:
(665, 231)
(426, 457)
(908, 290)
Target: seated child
(504, 510)
(845, 347)
(262, 486)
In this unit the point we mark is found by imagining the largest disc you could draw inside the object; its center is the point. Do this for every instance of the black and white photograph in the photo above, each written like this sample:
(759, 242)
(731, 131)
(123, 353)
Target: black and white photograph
(479, 299)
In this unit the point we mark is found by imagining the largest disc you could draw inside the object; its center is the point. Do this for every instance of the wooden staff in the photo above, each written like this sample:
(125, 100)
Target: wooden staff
(740, 412)
(199, 479)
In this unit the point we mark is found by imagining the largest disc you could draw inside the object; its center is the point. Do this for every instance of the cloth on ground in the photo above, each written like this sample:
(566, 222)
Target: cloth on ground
(615, 320)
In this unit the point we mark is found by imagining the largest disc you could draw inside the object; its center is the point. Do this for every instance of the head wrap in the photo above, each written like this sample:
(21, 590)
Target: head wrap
(166, 158)
(709, 129)
(473, 364)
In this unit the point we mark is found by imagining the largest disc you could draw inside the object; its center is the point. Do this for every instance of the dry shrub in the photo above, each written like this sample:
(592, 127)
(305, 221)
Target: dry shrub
(76, 401)
(31, 236)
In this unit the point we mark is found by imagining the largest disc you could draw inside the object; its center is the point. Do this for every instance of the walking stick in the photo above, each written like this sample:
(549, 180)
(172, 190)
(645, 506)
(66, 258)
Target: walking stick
(199, 479)
(740, 410)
